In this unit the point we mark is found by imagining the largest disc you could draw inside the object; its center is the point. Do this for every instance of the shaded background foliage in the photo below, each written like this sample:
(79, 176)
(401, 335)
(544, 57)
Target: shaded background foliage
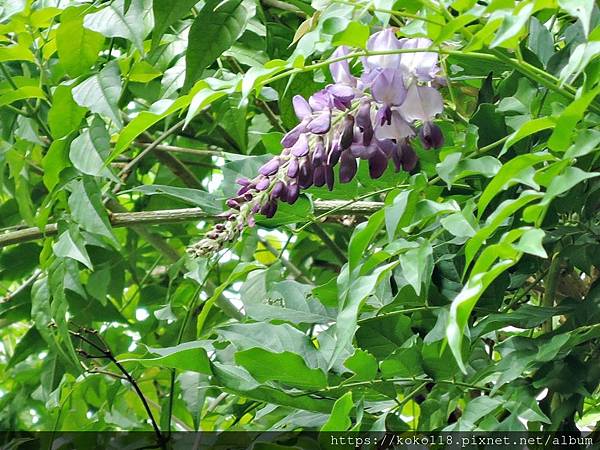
(462, 296)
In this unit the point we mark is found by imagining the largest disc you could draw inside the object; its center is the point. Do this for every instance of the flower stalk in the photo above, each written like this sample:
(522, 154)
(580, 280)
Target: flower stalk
(374, 118)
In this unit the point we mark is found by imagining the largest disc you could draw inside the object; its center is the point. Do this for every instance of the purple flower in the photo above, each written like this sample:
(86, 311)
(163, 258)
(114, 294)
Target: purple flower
(278, 189)
(347, 132)
(319, 155)
(340, 70)
(334, 154)
(300, 148)
(305, 174)
(377, 163)
(291, 137)
(409, 158)
(397, 129)
(263, 184)
(292, 171)
(321, 123)
(388, 87)
(329, 177)
(431, 136)
(420, 65)
(319, 176)
(421, 103)
(293, 191)
(383, 41)
(301, 107)
(364, 123)
(348, 167)
(270, 167)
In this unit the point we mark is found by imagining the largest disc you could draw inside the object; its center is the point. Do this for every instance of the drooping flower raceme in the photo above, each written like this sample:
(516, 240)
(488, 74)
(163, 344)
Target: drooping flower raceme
(374, 118)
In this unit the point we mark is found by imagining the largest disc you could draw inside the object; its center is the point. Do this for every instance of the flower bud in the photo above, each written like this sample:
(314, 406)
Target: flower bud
(232, 203)
(431, 136)
(278, 188)
(409, 157)
(329, 177)
(293, 168)
(300, 148)
(293, 191)
(321, 123)
(263, 184)
(348, 167)
(270, 167)
(377, 164)
(334, 154)
(363, 121)
(347, 132)
(319, 176)
(318, 156)
(305, 174)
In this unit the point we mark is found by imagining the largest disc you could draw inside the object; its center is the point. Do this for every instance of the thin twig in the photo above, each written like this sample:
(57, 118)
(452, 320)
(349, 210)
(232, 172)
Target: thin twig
(161, 217)
(107, 353)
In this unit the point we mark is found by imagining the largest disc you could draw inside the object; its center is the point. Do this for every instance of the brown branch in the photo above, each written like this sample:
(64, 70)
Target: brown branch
(134, 219)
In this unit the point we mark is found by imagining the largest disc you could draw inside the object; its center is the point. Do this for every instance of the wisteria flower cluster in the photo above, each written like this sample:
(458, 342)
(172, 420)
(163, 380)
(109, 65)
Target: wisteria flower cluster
(373, 118)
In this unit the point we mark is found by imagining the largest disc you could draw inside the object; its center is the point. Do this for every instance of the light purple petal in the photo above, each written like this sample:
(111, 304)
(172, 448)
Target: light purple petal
(388, 87)
(301, 107)
(382, 41)
(300, 148)
(398, 129)
(422, 65)
(421, 103)
(321, 123)
(340, 70)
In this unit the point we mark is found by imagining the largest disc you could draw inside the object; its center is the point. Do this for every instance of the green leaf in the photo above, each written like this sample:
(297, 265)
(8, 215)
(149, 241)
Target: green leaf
(100, 93)
(362, 237)
(339, 420)
(404, 362)
(354, 35)
(112, 21)
(29, 344)
(286, 300)
(527, 129)
(565, 126)
(350, 304)
(190, 356)
(166, 14)
(580, 9)
(586, 142)
(517, 170)
(17, 52)
(69, 246)
(237, 380)
(22, 93)
(417, 265)
(512, 25)
(78, 47)
(88, 150)
(64, 116)
(88, 211)
(364, 366)
(505, 210)
(215, 29)
(579, 60)
(485, 270)
(453, 168)
(286, 367)
(571, 177)
(144, 120)
(54, 161)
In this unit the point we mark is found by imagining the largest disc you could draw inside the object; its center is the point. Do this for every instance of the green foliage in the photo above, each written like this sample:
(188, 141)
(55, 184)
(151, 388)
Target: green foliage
(462, 296)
